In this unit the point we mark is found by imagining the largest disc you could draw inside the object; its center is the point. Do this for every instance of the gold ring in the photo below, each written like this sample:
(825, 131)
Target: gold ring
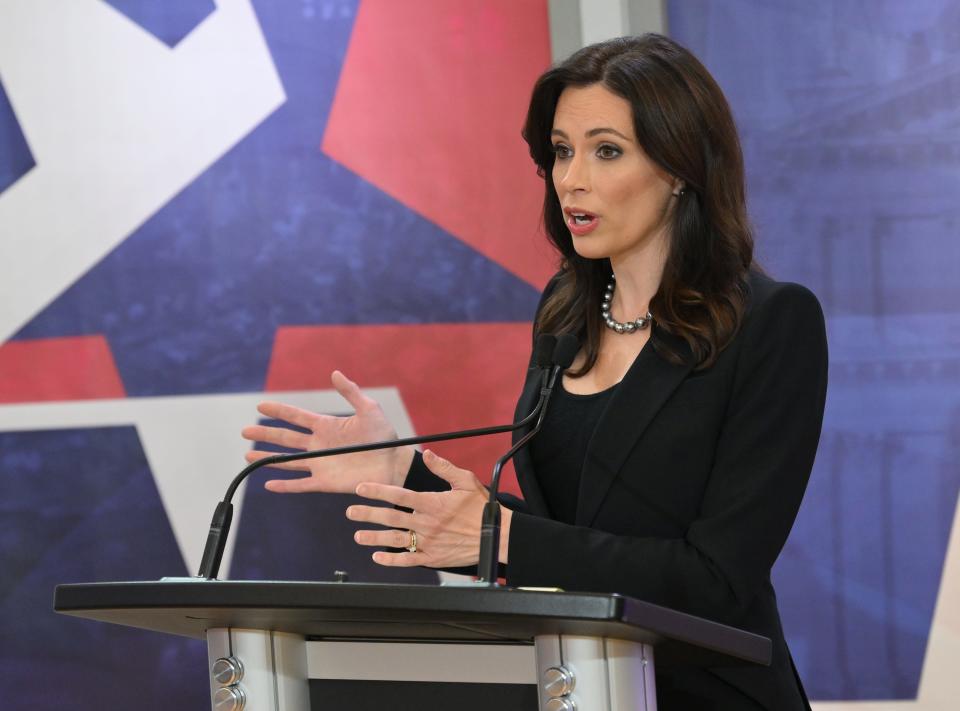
(413, 542)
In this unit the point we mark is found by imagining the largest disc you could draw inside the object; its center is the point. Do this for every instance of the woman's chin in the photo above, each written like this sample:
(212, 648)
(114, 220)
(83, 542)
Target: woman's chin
(590, 248)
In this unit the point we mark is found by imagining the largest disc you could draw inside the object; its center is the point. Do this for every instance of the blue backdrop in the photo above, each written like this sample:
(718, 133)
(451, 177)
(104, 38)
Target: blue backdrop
(849, 114)
(851, 129)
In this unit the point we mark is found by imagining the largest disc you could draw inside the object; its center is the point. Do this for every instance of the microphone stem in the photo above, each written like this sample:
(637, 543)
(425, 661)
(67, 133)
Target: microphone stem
(372, 446)
(487, 566)
(223, 515)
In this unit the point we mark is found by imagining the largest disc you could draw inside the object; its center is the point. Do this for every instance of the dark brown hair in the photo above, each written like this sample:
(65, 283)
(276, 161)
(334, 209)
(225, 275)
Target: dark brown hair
(684, 125)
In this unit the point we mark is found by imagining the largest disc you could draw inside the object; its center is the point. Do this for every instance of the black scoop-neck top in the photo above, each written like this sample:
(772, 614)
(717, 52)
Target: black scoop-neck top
(559, 450)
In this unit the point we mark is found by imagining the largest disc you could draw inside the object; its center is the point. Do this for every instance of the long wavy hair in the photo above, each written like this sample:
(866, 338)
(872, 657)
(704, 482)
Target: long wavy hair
(684, 124)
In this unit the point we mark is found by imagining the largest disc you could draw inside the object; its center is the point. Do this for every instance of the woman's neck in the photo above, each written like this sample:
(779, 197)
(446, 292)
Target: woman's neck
(638, 277)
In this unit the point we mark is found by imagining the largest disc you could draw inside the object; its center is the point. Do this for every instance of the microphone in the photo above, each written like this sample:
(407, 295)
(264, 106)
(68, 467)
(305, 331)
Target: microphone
(223, 514)
(565, 351)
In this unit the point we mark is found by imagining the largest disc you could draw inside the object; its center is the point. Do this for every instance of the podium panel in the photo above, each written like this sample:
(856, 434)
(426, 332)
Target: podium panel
(292, 646)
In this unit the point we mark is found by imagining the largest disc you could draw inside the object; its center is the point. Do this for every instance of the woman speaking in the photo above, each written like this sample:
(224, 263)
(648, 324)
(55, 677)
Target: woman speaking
(678, 445)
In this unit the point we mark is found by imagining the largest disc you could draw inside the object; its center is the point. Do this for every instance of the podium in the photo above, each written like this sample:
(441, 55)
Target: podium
(291, 646)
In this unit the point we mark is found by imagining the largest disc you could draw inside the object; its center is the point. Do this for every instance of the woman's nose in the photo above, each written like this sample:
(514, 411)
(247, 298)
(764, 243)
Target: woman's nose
(575, 175)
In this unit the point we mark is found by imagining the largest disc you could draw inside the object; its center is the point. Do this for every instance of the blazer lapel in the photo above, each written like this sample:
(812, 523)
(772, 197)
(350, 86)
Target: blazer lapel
(642, 392)
(522, 463)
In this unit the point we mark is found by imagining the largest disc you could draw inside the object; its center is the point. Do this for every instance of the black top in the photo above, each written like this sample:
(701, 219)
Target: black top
(558, 451)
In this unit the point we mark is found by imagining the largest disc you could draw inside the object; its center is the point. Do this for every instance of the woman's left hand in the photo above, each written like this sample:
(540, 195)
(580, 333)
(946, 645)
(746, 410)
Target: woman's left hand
(447, 523)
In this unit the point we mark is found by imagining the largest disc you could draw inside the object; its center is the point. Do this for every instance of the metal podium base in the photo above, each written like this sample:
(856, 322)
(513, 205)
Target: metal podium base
(594, 673)
(257, 669)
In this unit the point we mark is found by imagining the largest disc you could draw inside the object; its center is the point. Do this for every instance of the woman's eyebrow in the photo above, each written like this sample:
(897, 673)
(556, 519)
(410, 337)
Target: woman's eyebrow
(591, 133)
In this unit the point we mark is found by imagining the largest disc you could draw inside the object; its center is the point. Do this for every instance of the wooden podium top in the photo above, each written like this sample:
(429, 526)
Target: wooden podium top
(364, 611)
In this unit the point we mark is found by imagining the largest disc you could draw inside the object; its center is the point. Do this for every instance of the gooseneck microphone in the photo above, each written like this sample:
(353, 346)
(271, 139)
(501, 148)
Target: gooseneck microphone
(223, 514)
(565, 351)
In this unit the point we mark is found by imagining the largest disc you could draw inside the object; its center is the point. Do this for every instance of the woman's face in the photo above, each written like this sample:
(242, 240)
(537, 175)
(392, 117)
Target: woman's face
(615, 200)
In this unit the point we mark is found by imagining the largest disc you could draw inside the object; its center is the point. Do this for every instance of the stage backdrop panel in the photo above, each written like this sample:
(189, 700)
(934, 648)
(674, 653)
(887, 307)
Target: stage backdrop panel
(849, 114)
(205, 204)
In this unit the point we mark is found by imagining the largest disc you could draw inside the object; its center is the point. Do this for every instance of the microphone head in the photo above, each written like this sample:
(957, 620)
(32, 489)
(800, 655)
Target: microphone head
(543, 350)
(566, 350)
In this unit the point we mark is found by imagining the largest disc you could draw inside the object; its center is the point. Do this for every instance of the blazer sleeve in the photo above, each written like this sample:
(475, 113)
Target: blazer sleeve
(419, 478)
(762, 462)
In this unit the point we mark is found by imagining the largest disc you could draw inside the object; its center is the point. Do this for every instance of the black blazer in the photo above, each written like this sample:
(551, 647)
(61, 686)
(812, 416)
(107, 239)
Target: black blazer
(690, 485)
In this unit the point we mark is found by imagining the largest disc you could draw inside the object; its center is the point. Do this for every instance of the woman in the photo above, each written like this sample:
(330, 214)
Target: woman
(676, 452)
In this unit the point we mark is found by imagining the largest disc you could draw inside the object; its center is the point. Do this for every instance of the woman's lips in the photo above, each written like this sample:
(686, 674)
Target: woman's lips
(582, 227)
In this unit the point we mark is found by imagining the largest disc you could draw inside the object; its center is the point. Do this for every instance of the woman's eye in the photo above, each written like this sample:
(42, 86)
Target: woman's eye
(607, 152)
(561, 151)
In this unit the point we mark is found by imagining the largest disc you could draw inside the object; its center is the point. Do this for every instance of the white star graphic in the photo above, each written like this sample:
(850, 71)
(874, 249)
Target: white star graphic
(118, 123)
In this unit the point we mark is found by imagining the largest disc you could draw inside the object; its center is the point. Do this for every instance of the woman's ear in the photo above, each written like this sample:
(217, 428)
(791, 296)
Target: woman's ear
(679, 187)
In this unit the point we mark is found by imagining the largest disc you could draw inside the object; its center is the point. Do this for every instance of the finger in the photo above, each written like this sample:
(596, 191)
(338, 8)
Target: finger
(280, 436)
(381, 515)
(396, 495)
(292, 486)
(287, 413)
(351, 392)
(255, 455)
(383, 539)
(400, 560)
(446, 470)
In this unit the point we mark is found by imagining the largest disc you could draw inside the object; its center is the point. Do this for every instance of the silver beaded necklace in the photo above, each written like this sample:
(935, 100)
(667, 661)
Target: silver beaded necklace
(639, 324)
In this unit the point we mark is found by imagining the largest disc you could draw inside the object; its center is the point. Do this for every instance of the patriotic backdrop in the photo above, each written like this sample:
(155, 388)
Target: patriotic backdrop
(201, 202)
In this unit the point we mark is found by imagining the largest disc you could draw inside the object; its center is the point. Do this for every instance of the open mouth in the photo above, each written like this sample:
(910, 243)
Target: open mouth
(579, 217)
(580, 222)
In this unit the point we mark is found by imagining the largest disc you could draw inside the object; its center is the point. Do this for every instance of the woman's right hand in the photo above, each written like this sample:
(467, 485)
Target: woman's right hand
(339, 474)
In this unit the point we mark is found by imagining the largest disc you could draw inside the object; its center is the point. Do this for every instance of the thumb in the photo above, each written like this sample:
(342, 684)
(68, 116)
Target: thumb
(349, 391)
(458, 478)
